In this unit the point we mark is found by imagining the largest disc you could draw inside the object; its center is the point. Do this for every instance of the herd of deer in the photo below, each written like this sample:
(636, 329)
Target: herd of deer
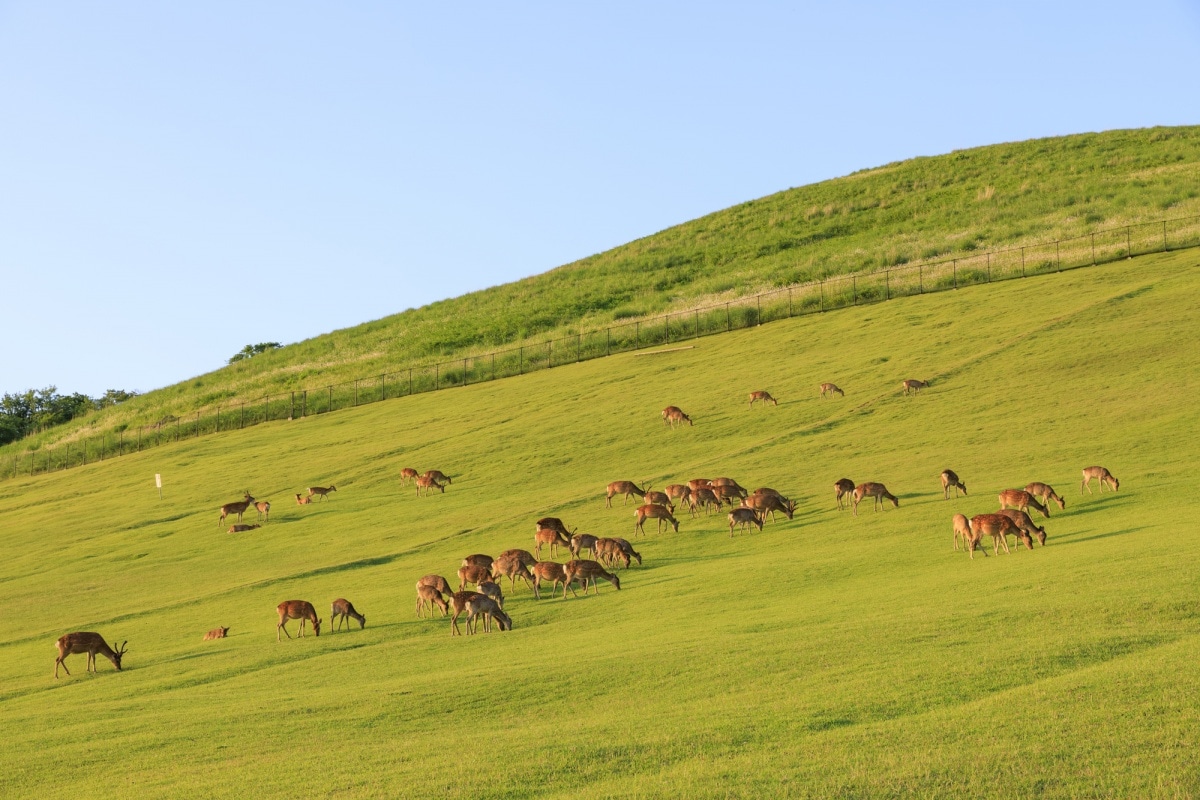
(264, 507)
(432, 479)
(710, 494)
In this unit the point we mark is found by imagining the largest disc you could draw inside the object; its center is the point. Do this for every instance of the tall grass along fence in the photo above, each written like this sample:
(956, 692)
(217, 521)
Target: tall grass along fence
(831, 293)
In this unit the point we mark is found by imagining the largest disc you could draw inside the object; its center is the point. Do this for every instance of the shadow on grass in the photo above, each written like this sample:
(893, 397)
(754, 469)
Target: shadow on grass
(1076, 539)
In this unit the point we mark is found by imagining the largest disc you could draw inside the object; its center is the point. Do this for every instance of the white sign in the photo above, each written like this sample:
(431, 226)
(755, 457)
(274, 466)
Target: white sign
(158, 480)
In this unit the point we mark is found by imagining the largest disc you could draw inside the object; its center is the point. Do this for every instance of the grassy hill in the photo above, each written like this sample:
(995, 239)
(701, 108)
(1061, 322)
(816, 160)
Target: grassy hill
(827, 655)
(926, 208)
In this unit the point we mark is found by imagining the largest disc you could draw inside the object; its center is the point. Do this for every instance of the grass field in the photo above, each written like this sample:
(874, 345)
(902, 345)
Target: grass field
(825, 656)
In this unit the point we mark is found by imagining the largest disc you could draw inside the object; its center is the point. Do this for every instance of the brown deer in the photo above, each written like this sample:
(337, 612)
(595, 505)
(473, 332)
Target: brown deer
(627, 488)
(1015, 498)
(950, 479)
(235, 508)
(472, 574)
(408, 475)
(914, 385)
(458, 601)
(551, 537)
(297, 609)
(586, 573)
(525, 557)
(877, 491)
(962, 528)
(242, 528)
(658, 499)
(673, 414)
(1100, 474)
(830, 389)
(428, 484)
(704, 497)
(609, 550)
(842, 488)
(438, 475)
(680, 492)
(437, 582)
(998, 527)
(323, 491)
(582, 541)
(513, 567)
(90, 643)
(765, 397)
(699, 483)
(303, 501)
(768, 504)
(1025, 524)
(492, 589)
(654, 512)
(743, 517)
(1045, 493)
(341, 611)
(263, 507)
(554, 573)
(490, 610)
(728, 495)
(553, 524)
(429, 596)
(479, 560)
(216, 633)
(731, 484)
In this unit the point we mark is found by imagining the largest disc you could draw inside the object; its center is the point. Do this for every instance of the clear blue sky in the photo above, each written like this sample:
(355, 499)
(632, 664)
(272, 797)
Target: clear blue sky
(178, 180)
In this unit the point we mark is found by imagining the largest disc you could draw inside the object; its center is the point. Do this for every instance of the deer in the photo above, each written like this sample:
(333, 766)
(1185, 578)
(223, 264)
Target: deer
(1102, 475)
(525, 557)
(429, 596)
(950, 479)
(490, 610)
(586, 573)
(705, 497)
(303, 501)
(582, 541)
(732, 484)
(297, 609)
(680, 492)
(235, 508)
(428, 484)
(998, 527)
(765, 397)
(654, 512)
(492, 589)
(553, 524)
(609, 550)
(830, 389)
(658, 499)
(216, 633)
(962, 528)
(1023, 522)
(242, 528)
(1045, 493)
(673, 414)
(407, 475)
(728, 494)
(323, 491)
(437, 582)
(472, 574)
(743, 517)
(458, 601)
(86, 642)
(1015, 498)
(877, 491)
(768, 504)
(914, 385)
(551, 537)
(479, 560)
(438, 475)
(627, 488)
(699, 483)
(342, 610)
(553, 572)
(842, 488)
(263, 507)
(513, 567)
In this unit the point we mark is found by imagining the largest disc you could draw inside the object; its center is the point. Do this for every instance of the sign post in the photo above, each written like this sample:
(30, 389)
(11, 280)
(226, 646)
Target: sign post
(158, 483)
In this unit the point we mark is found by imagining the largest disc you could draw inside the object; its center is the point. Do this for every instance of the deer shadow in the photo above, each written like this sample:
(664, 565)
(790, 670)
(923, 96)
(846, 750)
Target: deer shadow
(1068, 540)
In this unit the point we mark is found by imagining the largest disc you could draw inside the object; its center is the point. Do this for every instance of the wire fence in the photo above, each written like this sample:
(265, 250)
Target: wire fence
(831, 293)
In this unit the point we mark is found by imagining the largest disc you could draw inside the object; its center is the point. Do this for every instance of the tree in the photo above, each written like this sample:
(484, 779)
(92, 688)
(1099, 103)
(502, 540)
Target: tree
(251, 350)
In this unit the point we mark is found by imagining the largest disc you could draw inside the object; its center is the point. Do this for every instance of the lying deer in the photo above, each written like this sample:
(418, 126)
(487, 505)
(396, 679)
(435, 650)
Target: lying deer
(428, 484)
(322, 491)
(263, 507)
(830, 389)
(302, 501)
(513, 567)
(1045, 493)
(430, 596)
(1100, 474)
(586, 573)
(743, 517)
(654, 512)
(877, 491)
(627, 488)
(1025, 524)
(407, 475)
(341, 611)
(842, 488)
(673, 414)
(914, 385)
(216, 633)
(297, 609)
(950, 479)
(235, 508)
(1015, 498)
(86, 642)
(765, 397)
(242, 528)
(489, 609)
(554, 573)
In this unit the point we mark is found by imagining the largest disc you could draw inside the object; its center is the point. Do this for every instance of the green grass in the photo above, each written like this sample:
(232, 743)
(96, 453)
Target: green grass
(951, 206)
(829, 655)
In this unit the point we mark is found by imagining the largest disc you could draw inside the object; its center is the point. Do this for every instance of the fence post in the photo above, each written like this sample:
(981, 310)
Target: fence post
(921, 278)
(549, 354)
(197, 434)
(789, 302)
(437, 377)
(1093, 249)
(177, 429)
(139, 442)
(383, 386)
(887, 284)
(31, 463)
(728, 323)
(1022, 262)
(578, 341)
(466, 380)
(822, 294)
(330, 399)
(667, 329)
(954, 267)
(1128, 245)
(697, 322)
(637, 335)
(410, 380)
(608, 341)
(854, 287)
(758, 314)
(267, 406)
(521, 359)
(493, 365)
(304, 402)
(242, 416)
(1165, 248)
(218, 430)
(1058, 254)
(356, 393)
(292, 407)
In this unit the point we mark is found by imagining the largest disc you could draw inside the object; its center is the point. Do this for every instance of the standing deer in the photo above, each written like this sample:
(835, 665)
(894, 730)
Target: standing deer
(458, 601)
(437, 582)
(830, 389)
(738, 489)
(609, 550)
(551, 537)
(673, 414)
(303, 501)
(408, 475)
(877, 491)
(524, 557)
(242, 528)
(658, 499)
(216, 633)
(1025, 524)
(1100, 474)
(438, 475)
(743, 517)
(586, 573)
(1015, 498)
(627, 488)
(479, 560)
(428, 484)
(950, 479)
(962, 528)
(768, 504)
(492, 590)
(699, 483)
(263, 507)
(582, 541)
(765, 397)
(998, 527)
(842, 488)
(654, 512)
(553, 572)
(728, 494)
(1045, 493)
(323, 491)
(680, 492)
(513, 567)
(341, 611)
(235, 508)
(706, 497)
(489, 609)
(297, 609)
(472, 574)
(429, 596)
(914, 385)
(86, 642)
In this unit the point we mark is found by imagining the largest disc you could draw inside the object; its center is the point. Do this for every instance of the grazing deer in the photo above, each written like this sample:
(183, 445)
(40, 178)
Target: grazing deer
(705, 497)
(877, 491)
(914, 385)
(765, 397)
(582, 541)
(438, 475)
(479, 560)
(554, 573)
(407, 475)
(1015, 498)
(743, 517)
(699, 483)
(235, 508)
(830, 389)
(842, 488)
(428, 484)
(998, 527)
(1025, 524)
(609, 550)
(458, 601)
(627, 550)
(586, 573)
(768, 504)
(341, 611)
(551, 537)
(627, 488)
(1100, 474)
(297, 609)
(490, 610)
(1045, 493)
(513, 567)
(472, 574)
(728, 494)
(654, 512)
(303, 501)
(90, 643)
(263, 507)
(492, 589)
(430, 596)
(950, 479)
(658, 499)
(962, 528)
(216, 633)
(673, 414)
(732, 484)
(437, 582)
(242, 528)
(680, 492)
(525, 557)
(553, 524)
(323, 491)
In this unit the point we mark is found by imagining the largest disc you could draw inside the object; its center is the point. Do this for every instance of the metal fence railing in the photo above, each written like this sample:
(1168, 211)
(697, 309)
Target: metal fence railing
(831, 293)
